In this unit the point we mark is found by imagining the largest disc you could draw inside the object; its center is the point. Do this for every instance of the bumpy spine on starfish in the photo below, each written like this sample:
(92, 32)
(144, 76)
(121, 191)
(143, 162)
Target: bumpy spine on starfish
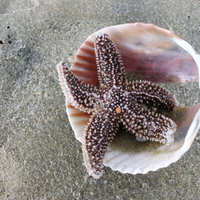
(152, 94)
(82, 96)
(111, 70)
(149, 125)
(99, 133)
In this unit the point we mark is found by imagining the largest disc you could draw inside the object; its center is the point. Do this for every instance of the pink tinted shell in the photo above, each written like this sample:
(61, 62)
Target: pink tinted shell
(149, 53)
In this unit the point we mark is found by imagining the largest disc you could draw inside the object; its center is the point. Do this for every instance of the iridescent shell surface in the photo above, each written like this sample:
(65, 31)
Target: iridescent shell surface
(154, 54)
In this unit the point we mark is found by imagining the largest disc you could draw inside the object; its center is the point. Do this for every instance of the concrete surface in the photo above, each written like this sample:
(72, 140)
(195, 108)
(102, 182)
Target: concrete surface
(39, 156)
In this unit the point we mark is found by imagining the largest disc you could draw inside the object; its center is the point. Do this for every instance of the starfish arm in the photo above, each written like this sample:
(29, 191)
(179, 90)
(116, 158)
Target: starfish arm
(109, 62)
(149, 125)
(82, 96)
(99, 133)
(150, 93)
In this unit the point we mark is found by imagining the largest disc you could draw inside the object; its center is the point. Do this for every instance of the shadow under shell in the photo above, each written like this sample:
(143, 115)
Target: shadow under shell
(154, 54)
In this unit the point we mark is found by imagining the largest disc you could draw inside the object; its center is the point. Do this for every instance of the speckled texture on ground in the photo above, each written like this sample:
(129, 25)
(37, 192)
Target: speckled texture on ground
(39, 156)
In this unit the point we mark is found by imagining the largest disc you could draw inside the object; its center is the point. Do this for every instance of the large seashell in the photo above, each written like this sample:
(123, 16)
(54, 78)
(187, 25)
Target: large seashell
(153, 54)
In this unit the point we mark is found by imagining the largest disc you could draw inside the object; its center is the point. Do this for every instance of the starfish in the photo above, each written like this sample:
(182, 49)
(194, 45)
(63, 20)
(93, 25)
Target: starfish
(116, 101)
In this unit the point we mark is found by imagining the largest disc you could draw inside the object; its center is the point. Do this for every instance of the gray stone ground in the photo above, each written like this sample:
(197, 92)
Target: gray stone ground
(39, 156)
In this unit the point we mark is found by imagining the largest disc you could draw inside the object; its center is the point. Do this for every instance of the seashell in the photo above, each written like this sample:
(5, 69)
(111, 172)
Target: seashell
(154, 54)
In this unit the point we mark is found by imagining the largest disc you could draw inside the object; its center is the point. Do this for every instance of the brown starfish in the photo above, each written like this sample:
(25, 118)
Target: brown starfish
(116, 101)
